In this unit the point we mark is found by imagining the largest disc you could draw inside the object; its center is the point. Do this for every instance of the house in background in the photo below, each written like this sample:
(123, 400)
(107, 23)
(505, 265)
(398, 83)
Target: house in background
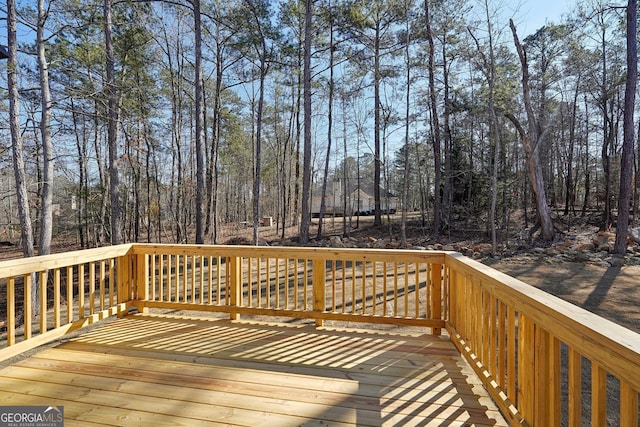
(359, 202)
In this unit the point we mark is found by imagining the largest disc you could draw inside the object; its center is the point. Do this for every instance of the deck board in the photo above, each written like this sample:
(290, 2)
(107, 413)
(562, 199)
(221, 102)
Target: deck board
(163, 370)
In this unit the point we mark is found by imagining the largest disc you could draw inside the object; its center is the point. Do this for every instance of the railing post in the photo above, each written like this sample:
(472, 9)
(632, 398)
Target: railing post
(235, 279)
(142, 281)
(526, 368)
(11, 311)
(436, 295)
(628, 405)
(124, 281)
(547, 378)
(318, 284)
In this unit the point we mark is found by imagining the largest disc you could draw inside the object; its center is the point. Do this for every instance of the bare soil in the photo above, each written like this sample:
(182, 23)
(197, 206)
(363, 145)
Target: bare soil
(582, 278)
(612, 292)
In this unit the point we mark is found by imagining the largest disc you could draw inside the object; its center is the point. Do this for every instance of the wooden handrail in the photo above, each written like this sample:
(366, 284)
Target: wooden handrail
(89, 279)
(530, 349)
(515, 335)
(368, 285)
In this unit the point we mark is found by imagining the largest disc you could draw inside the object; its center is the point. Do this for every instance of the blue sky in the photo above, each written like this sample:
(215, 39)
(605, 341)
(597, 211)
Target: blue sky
(531, 15)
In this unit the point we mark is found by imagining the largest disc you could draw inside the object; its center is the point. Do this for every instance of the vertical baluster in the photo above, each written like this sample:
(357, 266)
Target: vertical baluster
(69, 294)
(628, 405)
(185, 278)
(227, 282)
(194, 285)
(43, 301)
(286, 283)
(268, 281)
(11, 311)
(406, 289)
(201, 261)
(575, 387)
(210, 281)
(219, 280)
(454, 300)
(277, 284)
(161, 267)
(490, 360)
(384, 288)
(344, 286)
(333, 286)
(305, 284)
(598, 395)
(259, 280)
(547, 378)
(154, 278)
(112, 282)
(56, 298)
(28, 306)
(102, 283)
(92, 288)
(395, 288)
(363, 274)
(296, 284)
(526, 367)
(416, 293)
(502, 342)
(81, 306)
(169, 277)
(511, 354)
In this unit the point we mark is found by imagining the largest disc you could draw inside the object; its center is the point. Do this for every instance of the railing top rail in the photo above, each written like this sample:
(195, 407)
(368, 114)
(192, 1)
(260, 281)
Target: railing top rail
(17, 267)
(346, 254)
(601, 340)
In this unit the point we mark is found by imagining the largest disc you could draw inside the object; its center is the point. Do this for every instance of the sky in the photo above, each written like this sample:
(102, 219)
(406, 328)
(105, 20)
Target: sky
(531, 15)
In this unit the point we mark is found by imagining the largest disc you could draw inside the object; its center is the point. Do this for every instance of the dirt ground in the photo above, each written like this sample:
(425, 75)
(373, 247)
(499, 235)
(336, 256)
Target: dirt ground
(611, 292)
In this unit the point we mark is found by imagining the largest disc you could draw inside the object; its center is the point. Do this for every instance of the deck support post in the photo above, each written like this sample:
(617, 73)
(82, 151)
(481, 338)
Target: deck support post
(318, 284)
(142, 281)
(235, 283)
(436, 295)
(123, 265)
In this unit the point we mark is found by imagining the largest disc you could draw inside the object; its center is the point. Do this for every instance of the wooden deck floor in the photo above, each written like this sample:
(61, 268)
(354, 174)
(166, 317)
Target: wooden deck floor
(153, 370)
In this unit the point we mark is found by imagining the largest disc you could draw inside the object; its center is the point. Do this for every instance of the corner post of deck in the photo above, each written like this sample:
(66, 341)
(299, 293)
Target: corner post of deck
(142, 280)
(318, 285)
(235, 283)
(436, 295)
(123, 271)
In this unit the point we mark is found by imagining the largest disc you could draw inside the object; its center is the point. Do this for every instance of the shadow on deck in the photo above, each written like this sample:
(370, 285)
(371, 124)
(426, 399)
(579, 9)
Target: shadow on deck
(168, 370)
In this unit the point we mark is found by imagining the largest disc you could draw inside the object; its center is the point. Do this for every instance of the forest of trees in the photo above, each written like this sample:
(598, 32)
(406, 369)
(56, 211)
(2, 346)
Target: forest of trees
(155, 121)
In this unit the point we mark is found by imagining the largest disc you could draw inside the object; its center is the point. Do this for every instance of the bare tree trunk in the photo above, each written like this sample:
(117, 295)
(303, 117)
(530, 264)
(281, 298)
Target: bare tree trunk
(112, 128)
(626, 167)
(46, 221)
(329, 132)
(200, 172)
(490, 72)
(407, 124)
(26, 234)
(305, 222)
(16, 136)
(256, 181)
(377, 219)
(530, 141)
(435, 127)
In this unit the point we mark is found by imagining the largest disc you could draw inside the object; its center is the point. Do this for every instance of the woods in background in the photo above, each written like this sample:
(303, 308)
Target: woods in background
(163, 121)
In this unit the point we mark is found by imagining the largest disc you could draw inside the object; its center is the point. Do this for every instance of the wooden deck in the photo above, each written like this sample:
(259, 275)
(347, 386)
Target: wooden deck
(158, 370)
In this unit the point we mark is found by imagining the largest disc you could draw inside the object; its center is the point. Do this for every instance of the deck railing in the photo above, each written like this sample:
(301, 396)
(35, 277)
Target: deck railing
(544, 361)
